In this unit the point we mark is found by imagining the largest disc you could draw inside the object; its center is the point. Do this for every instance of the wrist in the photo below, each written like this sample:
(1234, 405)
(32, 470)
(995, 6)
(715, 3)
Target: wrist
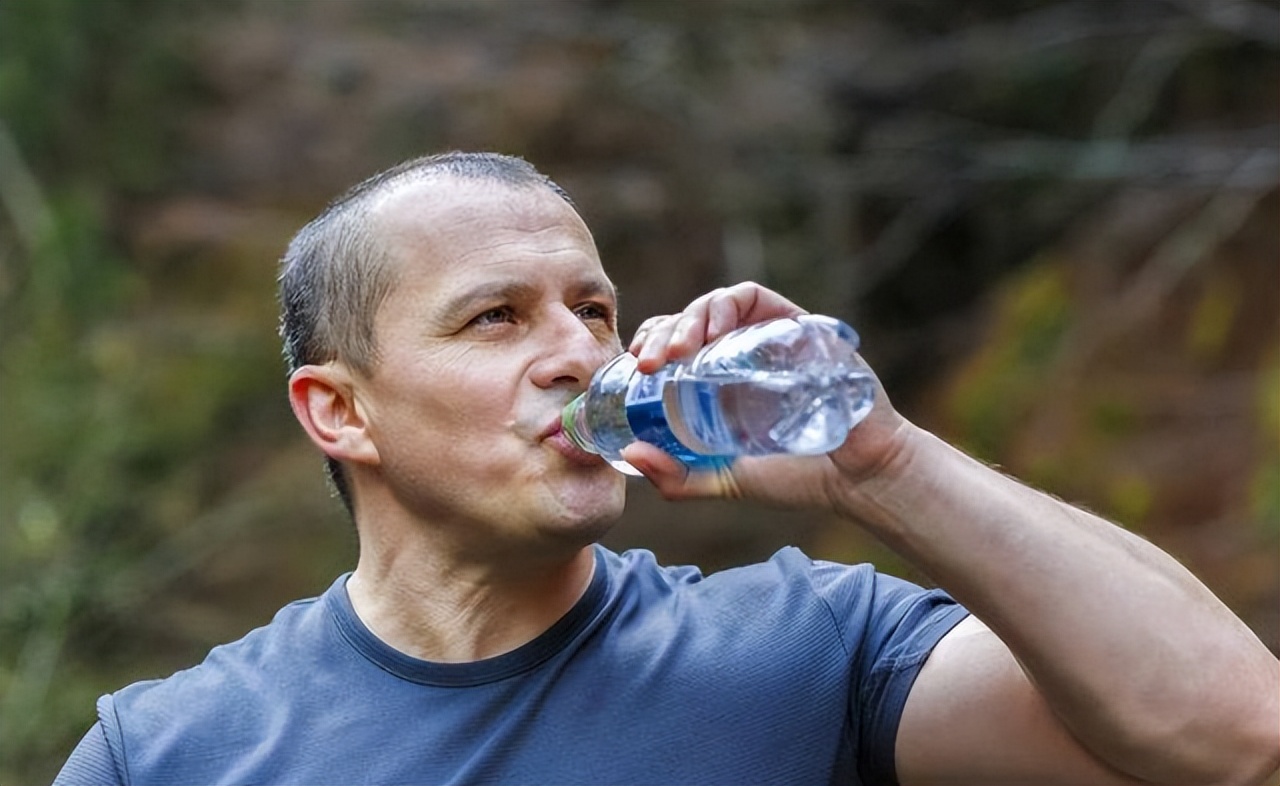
(876, 495)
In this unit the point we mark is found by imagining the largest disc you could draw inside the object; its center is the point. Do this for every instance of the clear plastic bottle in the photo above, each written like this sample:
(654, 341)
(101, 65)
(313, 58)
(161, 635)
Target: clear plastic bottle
(793, 385)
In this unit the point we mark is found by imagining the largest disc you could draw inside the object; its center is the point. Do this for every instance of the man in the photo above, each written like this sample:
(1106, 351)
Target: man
(437, 318)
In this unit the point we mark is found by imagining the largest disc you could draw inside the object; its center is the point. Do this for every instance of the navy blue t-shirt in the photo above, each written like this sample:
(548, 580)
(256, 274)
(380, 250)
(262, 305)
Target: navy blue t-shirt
(789, 671)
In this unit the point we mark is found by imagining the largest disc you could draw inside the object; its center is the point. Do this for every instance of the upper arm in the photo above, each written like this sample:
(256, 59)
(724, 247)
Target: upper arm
(973, 716)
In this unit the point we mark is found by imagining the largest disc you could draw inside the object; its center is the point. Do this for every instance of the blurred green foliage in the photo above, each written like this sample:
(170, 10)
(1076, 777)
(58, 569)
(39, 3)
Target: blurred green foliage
(1018, 203)
(1004, 381)
(1265, 496)
(112, 410)
(92, 92)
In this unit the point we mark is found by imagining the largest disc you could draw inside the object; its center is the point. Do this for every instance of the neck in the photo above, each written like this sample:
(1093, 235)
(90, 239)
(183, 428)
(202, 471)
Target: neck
(418, 598)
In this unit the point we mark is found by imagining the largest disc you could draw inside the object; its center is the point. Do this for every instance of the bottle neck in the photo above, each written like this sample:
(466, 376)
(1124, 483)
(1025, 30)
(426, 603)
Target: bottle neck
(574, 423)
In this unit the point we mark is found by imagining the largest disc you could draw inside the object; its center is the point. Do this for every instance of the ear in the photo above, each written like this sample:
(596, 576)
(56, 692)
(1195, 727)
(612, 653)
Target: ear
(324, 402)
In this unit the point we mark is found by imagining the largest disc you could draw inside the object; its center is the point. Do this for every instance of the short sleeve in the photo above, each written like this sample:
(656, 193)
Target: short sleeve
(91, 763)
(889, 626)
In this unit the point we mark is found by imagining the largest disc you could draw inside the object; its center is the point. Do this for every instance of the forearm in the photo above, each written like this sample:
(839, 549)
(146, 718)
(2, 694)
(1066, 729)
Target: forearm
(1144, 665)
(1137, 659)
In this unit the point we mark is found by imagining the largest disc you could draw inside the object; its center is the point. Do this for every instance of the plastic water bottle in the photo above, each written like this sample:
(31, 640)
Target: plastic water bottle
(793, 385)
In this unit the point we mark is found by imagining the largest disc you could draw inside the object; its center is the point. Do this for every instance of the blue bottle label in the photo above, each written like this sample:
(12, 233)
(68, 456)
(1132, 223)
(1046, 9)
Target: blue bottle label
(648, 421)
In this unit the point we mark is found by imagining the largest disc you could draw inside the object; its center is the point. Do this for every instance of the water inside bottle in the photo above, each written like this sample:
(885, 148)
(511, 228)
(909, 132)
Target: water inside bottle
(782, 387)
(792, 412)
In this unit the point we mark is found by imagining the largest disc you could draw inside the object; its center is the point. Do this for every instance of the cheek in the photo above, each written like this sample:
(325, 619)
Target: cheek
(477, 414)
(460, 409)
(461, 398)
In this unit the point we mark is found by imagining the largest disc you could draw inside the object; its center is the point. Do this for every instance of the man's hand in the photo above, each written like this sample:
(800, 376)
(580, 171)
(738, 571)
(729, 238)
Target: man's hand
(675, 336)
(808, 482)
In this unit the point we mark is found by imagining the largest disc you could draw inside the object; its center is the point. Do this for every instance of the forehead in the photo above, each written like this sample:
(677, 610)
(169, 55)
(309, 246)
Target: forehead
(444, 228)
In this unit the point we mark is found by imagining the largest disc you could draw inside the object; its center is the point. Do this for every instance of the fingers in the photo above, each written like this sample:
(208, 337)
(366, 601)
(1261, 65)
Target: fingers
(706, 319)
(724, 314)
(652, 341)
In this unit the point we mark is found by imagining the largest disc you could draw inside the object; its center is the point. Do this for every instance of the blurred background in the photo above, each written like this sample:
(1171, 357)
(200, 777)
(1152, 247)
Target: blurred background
(1054, 223)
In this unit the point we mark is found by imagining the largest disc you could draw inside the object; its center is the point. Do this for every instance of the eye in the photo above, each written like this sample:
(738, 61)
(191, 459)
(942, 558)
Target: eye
(594, 311)
(493, 316)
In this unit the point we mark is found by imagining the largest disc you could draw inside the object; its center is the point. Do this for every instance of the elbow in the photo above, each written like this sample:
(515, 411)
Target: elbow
(1248, 734)
(1221, 728)
(1266, 773)
(1222, 760)
(1251, 763)
(1255, 759)
(1237, 749)
(1250, 768)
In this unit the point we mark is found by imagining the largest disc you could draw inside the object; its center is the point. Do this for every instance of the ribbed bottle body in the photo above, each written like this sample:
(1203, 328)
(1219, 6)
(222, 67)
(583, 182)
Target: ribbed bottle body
(792, 386)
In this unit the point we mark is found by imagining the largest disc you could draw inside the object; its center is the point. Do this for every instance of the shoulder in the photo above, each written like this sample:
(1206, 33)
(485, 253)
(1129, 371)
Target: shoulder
(145, 722)
(238, 664)
(865, 608)
(788, 588)
(788, 564)
(791, 574)
(788, 569)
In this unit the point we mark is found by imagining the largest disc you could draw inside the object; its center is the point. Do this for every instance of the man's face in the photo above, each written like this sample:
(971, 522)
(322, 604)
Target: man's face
(501, 314)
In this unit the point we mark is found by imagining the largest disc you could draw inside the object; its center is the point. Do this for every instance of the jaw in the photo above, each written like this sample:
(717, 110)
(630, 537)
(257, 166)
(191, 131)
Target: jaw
(575, 507)
(591, 505)
(546, 507)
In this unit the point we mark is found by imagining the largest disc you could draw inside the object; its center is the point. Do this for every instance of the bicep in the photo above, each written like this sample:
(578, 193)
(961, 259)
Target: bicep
(973, 717)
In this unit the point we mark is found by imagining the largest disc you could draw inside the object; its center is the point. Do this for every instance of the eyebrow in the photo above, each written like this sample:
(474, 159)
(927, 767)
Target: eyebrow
(516, 290)
(489, 291)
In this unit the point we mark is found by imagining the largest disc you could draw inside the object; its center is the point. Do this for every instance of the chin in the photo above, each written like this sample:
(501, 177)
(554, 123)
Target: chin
(587, 514)
(572, 539)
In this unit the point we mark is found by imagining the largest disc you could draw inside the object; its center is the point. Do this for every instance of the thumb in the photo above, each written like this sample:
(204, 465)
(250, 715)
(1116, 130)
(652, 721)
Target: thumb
(674, 480)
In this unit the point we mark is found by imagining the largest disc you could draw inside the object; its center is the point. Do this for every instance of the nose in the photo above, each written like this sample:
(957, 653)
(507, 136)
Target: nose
(572, 352)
